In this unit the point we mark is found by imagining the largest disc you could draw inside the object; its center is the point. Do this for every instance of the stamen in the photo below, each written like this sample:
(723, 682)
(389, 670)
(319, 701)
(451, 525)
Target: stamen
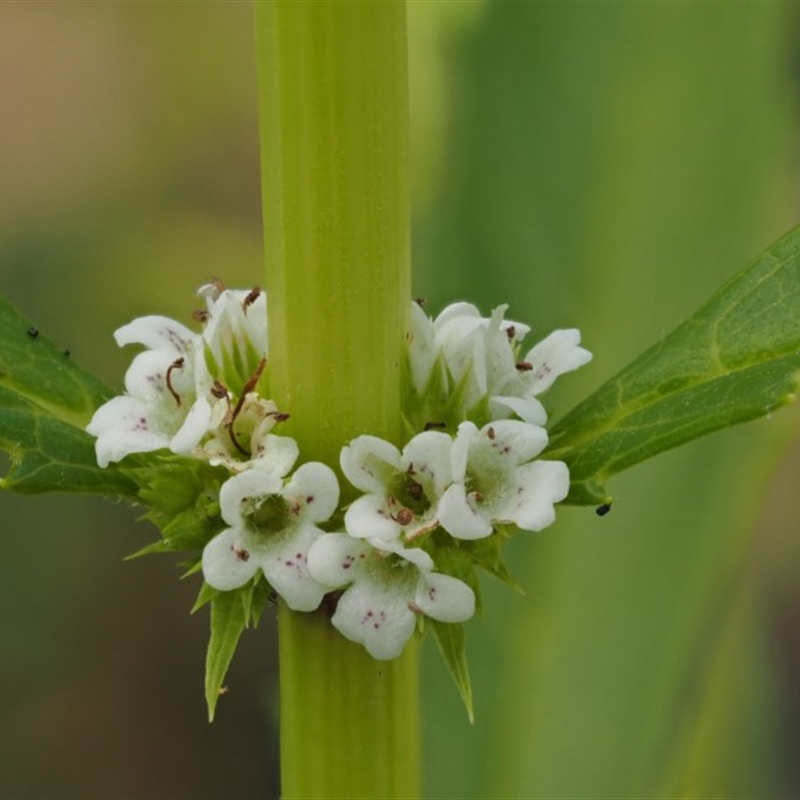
(253, 295)
(201, 315)
(176, 364)
(405, 516)
(248, 387)
(524, 366)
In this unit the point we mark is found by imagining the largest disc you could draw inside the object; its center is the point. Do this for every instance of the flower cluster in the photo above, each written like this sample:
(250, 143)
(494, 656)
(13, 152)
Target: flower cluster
(407, 548)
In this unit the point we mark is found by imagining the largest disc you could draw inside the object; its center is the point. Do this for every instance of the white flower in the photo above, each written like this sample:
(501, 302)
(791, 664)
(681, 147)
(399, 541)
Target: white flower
(473, 359)
(385, 591)
(165, 405)
(240, 436)
(495, 480)
(235, 333)
(402, 489)
(560, 352)
(271, 529)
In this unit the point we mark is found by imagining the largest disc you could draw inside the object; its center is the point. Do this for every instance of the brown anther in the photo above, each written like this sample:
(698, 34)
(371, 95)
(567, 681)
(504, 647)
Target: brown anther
(511, 332)
(176, 364)
(524, 366)
(420, 301)
(405, 516)
(241, 553)
(252, 296)
(280, 416)
(218, 390)
(429, 426)
(477, 497)
(490, 433)
(201, 315)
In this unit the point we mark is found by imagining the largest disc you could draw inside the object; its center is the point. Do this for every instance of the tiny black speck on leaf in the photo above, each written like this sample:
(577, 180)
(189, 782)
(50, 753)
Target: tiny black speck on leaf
(33, 332)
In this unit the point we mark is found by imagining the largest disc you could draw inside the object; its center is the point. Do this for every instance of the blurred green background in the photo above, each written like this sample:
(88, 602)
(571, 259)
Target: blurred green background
(599, 164)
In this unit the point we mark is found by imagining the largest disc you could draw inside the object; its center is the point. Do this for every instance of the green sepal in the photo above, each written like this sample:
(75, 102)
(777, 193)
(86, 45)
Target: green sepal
(486, 553)
(231, 613)
(736, 359)
(183, 499)
(451, 641)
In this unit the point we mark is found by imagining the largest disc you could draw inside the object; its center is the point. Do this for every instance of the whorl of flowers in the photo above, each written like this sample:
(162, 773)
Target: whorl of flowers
(408, 547)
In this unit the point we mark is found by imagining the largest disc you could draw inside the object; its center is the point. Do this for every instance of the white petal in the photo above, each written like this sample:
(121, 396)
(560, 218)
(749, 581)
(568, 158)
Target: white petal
(369, 463)
(528, 409)
(507, 440)
(122, 426)
(228, 561)
(146, 378)
(285, 567)
(445, 598)
(157, 333)
(467, 431)
(370, 517)
(460, 518)
(233, 324)
(501, 363)
(513, 330)
(334, 559)
(193, 429)
(427, 458)
(315, 487)
(422, 349)
(538, 486)
(555, 355)
(249, 484)
(463, 345)
(454, 311)
(376, 616)
(275, 454)
(414, 555)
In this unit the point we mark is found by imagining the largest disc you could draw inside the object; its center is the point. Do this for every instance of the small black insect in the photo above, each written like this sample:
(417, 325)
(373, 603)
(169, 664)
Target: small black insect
(602, 510)
(33, 332)
(66, 353)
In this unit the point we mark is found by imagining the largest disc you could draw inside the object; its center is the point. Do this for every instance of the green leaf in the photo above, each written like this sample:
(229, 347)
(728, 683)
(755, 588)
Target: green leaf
(736, 359)
(229, 617)
(450, 639)
(45, 402)
(231, 613)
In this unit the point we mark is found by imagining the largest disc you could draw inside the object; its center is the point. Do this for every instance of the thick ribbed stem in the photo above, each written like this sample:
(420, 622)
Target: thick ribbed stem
(333, 100)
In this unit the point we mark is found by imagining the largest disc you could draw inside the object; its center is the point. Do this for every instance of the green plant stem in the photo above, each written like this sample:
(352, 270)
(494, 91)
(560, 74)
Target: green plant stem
(349, 723)
(334, 133)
